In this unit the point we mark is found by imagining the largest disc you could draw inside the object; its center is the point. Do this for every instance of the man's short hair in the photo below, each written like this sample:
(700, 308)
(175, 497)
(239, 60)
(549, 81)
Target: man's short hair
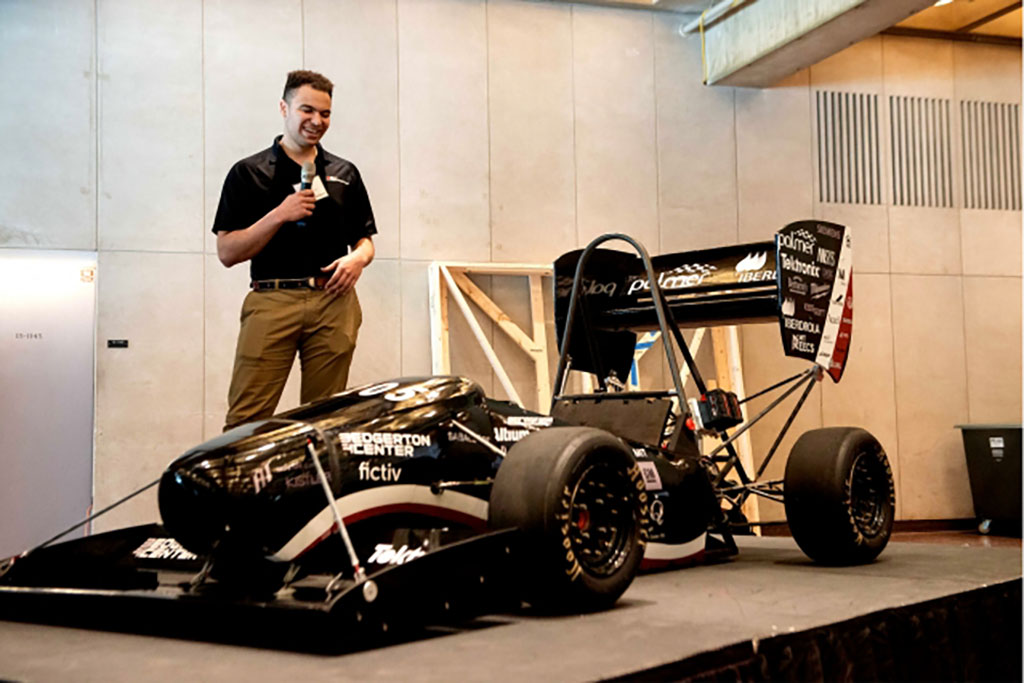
(297, 79)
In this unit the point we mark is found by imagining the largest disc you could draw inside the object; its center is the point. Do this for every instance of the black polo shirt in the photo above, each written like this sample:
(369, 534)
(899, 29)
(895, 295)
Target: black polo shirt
(257, 184)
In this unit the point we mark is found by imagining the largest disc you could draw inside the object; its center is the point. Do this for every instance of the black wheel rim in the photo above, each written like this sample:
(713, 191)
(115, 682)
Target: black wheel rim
(869, 494)
(602, 518)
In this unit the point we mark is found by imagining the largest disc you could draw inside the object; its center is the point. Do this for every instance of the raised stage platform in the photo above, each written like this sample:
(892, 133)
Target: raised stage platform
(921, 612)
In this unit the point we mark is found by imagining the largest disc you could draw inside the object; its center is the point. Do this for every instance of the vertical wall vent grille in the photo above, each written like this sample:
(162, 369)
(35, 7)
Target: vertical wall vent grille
(990, 134)
(849, 168)
(922, 169)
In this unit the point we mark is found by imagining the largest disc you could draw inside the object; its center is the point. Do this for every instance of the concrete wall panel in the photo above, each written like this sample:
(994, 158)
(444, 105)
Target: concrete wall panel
(530, 104)
(990, 73)
(442, 85)
(149, 396)
(616, 155)
(992, 330)
(773, 162)
(919, 68)
(696, 147)
(151, 126)
(991, 242)
(48, 167)
(931, 395)
(924, 240)
(858, 68)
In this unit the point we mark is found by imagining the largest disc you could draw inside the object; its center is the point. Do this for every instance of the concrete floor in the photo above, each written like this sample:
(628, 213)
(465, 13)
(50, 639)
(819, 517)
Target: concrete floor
(770, 588)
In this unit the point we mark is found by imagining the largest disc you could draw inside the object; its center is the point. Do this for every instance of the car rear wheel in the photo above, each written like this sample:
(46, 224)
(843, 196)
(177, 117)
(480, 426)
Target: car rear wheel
(578, 497)
(840, 497)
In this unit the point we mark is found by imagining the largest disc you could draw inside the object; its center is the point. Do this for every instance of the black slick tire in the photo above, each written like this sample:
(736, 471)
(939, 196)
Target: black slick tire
(578, 497)
(839, 495)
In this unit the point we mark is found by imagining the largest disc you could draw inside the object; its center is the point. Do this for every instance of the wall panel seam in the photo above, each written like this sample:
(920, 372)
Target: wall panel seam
(202, 193)
(398, 126)
(657, 133)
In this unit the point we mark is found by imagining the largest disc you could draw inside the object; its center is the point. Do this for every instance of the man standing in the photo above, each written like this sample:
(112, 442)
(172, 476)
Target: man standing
(307, 245)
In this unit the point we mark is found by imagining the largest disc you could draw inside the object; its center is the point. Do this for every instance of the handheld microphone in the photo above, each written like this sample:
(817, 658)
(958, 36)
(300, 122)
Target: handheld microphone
(308, 173)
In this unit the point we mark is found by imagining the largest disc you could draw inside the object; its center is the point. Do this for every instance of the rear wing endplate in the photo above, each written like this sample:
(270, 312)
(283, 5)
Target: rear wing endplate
(803, 279)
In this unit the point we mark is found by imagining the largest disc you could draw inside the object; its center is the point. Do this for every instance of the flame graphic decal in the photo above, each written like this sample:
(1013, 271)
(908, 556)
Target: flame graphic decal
(752, 262)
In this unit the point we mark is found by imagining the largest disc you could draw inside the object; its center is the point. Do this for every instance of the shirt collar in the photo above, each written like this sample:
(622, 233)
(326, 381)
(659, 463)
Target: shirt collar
(279, 153)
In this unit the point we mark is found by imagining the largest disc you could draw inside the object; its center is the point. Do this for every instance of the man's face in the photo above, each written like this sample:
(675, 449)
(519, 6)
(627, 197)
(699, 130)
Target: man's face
(307, 115)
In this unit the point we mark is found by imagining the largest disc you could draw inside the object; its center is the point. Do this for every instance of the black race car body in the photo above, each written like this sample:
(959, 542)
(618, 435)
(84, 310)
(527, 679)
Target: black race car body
(414, 453)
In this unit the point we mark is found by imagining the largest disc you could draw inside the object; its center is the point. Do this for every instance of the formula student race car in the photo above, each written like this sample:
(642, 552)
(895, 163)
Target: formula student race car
(421, 500)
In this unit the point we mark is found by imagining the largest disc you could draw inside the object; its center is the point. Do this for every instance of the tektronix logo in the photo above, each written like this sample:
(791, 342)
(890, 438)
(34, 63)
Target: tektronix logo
(385, 553)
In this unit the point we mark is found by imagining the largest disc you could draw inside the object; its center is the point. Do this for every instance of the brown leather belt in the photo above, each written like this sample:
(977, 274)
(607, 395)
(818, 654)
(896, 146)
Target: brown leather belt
(289, 283)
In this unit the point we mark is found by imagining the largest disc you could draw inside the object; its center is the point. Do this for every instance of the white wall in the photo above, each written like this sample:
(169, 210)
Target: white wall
(501, 130)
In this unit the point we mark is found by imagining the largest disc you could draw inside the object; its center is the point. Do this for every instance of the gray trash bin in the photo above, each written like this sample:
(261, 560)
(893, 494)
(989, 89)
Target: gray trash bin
(993, 453)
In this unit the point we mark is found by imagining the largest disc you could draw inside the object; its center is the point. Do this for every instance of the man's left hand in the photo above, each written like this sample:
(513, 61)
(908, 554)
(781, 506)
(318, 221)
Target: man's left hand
(346, 273)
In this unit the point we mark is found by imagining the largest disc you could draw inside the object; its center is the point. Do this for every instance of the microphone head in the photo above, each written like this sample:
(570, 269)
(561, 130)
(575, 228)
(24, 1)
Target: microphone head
(308, 171)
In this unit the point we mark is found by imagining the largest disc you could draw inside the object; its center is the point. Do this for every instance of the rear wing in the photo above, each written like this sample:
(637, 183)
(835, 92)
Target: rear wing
(803, 279)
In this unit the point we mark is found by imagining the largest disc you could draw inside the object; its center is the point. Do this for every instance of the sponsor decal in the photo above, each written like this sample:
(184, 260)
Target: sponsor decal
(652, 480)
(799, 343)
(305, 479)
(818, 291)
(826, 256)
(396, 394)
(162, 549)
(385, 553)
(848, 321)
(788, 306)
(382, 443)
(752, 262)
(657, 511)
(689, 275)
(750, 268)
(759, 276)
(797, 285)
(833, 319)
(794, 242)
(801, 325)
(261, 476)
(378, 389)
(385, 472)
(459, 436)
(797, 266)
(529, 421)
(506, 435)
(829, 231)
(592, 287)
(814, 310)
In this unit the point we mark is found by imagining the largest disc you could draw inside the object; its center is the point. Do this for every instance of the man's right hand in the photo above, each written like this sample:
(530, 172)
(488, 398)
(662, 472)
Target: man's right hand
(296, 206)
(237, 246)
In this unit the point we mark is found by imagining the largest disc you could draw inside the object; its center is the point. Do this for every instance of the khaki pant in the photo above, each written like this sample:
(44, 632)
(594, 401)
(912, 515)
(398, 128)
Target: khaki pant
(276, 324)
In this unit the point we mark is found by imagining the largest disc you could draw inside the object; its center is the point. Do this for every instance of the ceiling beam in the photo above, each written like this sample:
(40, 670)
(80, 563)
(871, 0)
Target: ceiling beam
(989, 18)
(985, 38)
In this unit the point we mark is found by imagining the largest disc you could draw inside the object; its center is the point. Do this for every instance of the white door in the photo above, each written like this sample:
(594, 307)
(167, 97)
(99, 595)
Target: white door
(47, 340)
